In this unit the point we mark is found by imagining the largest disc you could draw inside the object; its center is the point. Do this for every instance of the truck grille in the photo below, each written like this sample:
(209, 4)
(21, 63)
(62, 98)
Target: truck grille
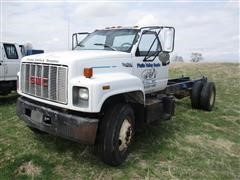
(45, 81)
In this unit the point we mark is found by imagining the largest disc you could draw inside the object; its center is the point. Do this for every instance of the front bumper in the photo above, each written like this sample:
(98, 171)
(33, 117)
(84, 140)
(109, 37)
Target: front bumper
(69, 126)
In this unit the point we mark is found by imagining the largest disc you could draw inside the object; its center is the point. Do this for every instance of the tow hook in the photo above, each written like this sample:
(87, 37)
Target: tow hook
(47, 120)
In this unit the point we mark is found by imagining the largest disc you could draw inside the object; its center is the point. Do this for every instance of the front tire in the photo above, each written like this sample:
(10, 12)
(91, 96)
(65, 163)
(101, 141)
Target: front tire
(115, 134)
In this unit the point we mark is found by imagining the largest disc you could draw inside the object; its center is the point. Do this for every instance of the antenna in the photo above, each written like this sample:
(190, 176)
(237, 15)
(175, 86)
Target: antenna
(68, 33)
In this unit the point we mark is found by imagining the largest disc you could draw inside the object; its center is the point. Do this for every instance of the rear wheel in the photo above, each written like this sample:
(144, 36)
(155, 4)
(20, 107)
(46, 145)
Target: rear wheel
(196, 95)
(115, 134)
(208, 96)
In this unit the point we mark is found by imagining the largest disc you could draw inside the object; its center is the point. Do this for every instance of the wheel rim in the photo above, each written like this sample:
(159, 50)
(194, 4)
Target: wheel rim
(212, 99)
(125, 135)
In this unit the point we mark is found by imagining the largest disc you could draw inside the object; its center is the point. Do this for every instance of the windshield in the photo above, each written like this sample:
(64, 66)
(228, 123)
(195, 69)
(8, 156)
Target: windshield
(113, 40)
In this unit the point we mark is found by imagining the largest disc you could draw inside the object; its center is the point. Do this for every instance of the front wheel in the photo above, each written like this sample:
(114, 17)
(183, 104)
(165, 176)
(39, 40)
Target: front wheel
(115, 134)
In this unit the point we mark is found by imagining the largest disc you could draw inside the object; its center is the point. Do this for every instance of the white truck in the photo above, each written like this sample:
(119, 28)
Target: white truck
(10, 57)
(112, 82)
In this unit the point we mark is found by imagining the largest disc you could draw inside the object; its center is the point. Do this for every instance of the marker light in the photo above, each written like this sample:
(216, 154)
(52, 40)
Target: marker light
(106, 87)
(88, 72)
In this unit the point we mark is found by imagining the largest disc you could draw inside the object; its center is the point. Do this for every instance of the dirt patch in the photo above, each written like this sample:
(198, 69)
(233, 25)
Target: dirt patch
(187, 149)
(227, 146)
(29, 169)
(222, 145)
(195, 139)
(212, 126)
(225, 130)
(233, 119)
(59, 169)
(143, 163)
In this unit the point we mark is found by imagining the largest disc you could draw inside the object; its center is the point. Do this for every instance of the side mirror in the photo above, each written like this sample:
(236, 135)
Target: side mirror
(164, 58)
(77, 38)
(167, 36)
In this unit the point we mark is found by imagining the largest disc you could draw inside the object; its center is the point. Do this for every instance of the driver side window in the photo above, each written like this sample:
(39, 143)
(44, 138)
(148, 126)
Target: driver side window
(145, 44)
(123, 42)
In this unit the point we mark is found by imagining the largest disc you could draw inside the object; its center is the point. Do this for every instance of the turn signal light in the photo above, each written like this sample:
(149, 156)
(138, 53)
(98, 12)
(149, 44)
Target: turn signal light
(88, 72)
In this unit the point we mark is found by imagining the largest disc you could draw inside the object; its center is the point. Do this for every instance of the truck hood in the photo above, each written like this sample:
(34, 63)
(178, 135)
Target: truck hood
(70, 57)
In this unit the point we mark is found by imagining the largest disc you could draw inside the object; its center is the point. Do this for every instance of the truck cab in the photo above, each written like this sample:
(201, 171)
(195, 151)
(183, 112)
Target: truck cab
(111, 82)
(10, 57)
(140, 46)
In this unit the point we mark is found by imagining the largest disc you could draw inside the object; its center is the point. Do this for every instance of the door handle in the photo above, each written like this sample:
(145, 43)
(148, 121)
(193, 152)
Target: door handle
(1, 63)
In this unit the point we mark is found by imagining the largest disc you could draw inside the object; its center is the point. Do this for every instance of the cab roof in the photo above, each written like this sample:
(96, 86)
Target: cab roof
(135, 27)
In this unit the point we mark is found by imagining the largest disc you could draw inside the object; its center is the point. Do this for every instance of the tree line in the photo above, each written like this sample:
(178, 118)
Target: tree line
(195, 57)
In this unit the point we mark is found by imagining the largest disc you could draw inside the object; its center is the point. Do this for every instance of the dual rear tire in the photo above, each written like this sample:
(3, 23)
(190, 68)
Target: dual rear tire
(203, 95)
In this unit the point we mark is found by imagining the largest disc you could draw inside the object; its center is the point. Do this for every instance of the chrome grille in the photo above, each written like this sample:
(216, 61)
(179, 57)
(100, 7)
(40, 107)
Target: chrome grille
(45, 81)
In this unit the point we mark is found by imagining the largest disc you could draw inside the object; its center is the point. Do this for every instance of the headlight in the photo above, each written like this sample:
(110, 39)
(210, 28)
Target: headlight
(83, 93)
(80, 96)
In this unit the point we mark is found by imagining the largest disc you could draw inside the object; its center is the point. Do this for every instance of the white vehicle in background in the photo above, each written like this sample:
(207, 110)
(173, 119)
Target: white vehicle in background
(10, 56)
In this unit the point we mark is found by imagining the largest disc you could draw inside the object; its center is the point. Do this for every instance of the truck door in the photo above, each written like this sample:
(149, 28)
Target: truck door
(11, 61)
(148, 67)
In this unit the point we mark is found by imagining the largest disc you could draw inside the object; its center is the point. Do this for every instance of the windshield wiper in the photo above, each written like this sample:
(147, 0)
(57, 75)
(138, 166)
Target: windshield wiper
(105, 45)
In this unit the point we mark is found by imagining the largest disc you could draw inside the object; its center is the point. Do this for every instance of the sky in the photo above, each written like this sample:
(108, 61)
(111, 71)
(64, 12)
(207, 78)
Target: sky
(207, 27)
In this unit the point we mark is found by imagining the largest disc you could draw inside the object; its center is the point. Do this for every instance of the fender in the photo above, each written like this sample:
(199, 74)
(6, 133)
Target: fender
(118, 83)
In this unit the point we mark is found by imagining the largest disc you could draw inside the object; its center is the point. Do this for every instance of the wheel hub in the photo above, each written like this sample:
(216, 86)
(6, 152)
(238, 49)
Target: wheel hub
(212, 98)
(125, 135)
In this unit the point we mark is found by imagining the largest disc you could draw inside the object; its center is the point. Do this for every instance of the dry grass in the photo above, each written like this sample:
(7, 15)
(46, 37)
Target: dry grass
(29, 169)
(194, 145)
(221, 145)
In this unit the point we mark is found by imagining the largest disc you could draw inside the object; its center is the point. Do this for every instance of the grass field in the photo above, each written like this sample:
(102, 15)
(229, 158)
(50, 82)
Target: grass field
(194, 145)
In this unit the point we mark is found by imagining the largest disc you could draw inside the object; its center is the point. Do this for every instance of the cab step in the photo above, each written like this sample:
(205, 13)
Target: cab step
(160, 107)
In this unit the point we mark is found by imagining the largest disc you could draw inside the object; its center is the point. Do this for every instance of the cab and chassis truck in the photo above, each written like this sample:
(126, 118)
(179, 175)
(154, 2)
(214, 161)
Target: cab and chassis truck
(114, 81)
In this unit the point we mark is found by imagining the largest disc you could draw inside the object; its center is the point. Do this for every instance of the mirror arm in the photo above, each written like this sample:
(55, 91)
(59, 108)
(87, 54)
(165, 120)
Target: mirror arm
(72, 40)
(147, 55)
(137, 52)
(75, 35)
